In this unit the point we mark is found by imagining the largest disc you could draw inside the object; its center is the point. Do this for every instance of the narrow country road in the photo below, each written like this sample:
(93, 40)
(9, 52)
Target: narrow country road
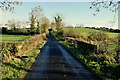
(55, 61)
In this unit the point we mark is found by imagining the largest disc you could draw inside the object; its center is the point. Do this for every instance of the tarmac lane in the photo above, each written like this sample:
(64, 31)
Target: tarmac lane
(55, 62)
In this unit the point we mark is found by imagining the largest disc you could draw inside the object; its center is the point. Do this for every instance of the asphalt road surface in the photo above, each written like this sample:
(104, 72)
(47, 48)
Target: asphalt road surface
(55, 61)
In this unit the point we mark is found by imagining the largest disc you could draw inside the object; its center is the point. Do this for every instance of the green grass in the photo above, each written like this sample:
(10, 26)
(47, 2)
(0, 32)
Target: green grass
(11, 38)
(85, 32)
(18, 68)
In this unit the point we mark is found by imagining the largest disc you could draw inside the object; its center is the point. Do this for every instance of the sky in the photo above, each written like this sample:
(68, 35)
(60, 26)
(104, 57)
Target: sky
(72, 13)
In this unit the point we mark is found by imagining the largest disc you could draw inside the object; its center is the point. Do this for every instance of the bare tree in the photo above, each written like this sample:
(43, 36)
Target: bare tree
(112, 5)
(6, 5)
(38, 13)
(11, 24)
(36, 17)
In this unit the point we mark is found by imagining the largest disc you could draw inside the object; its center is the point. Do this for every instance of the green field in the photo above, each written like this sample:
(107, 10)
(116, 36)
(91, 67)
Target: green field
(85, 32)
(11, 38)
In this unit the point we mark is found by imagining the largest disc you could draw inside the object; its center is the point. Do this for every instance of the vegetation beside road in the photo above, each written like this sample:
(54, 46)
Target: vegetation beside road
(20, 46)
(104, 59)
(102, 68)
(19, 56)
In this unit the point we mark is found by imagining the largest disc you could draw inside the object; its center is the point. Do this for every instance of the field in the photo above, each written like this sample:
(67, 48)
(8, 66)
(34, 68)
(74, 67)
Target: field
(85, 32)
(11, 38)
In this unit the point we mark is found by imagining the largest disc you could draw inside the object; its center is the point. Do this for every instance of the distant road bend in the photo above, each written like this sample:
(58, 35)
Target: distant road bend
(55, 61)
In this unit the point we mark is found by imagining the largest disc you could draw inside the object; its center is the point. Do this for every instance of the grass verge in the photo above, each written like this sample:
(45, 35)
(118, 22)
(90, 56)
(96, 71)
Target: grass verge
(79, 56)
(18, 68)
(103, 69)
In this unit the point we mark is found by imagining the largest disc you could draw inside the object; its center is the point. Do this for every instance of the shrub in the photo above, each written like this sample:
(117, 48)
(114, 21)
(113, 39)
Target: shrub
(117, 50)
(13, 49)
(10, 49)
(71, 33)
(59, 33)
(13, 65)
(98, 36)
